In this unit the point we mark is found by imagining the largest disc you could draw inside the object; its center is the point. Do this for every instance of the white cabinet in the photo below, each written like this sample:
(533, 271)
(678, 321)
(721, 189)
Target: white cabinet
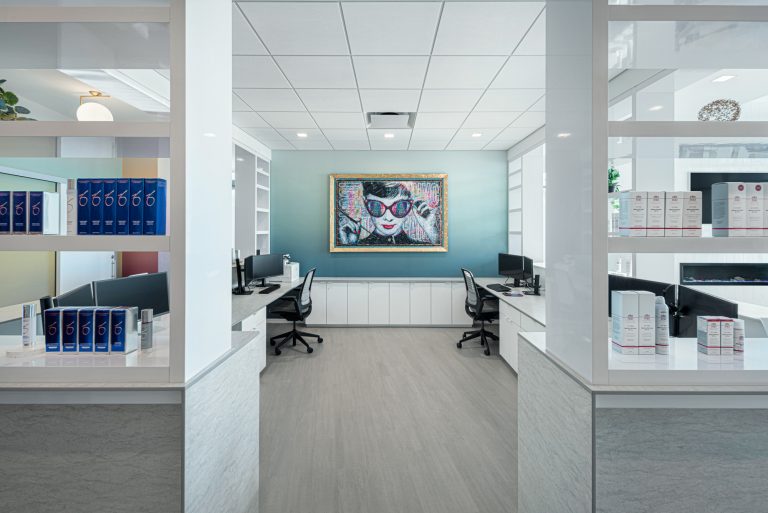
(378, 303)
(508, 330)
(357, 303)
(400, 304)
(440, 304)
(336, 297)
(459, 315)
(319, 305)
(529, 325)
(420, 304)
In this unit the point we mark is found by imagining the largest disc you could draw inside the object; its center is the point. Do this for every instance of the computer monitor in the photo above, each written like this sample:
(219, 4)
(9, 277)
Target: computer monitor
(260, 267)
(511, 266)
(141, 290)
(527, 268)
(692, 303)
(616, 282)
(80, 296)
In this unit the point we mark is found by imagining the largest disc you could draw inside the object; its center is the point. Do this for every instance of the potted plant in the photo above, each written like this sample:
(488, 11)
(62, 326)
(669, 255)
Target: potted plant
(613, 179)
(10, 110)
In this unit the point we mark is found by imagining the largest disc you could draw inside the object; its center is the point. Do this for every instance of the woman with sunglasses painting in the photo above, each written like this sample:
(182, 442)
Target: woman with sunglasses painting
(389, 204)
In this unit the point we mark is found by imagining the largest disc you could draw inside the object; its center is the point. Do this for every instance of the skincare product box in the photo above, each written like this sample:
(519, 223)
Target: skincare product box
(646, 318)
(5, 212)
(110, 205)
(708, 335)
(69, 330)
(71, 207)
(136, 211)
(662, 326)
(28, 324)
(729, 214)
(738, 335)
(154, 206)
(52, 327)
(83, 206)
(290, 272)
(726, 337)
(633, 207)
(124, 332)
(692, 214)
(85, 329)
(765, 208)
(673, 214)
(624, 321)
(101, 333)
(755, 209)
(97, 206)
(20, 214)
(655, 223)
(43, 213)
(122, 206)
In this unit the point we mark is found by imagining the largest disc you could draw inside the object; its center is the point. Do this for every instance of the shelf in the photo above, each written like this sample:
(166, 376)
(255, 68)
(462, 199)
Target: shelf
(150, 243)
(85, 14)
(262, 232)
(83, 129)
(264, 210)
(264, 187)
(687, 244)
(718, 13)
(687, 129)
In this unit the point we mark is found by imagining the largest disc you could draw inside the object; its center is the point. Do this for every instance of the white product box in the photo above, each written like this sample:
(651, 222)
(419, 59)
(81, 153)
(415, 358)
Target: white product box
(755, 209)
(738, 335)
(726, 334)
(729, 214)
(290, 272)
(633, 208)
(765, 208)
(624, 321)
(646, 319)
(708, 334)
(71, 207)
(655, 216)
(673, 214)
(692, 214)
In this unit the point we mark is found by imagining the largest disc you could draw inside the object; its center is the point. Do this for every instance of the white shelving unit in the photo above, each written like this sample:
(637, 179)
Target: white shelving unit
(263, 220)
(688, 245)
(85, 243)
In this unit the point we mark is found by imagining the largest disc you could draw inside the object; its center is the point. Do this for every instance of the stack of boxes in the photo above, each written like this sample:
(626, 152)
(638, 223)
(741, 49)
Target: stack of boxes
(29, 212)
(633, 321)
(92, 330)
(660, 214)
(715, 335)
(120, 206)
(739, 209)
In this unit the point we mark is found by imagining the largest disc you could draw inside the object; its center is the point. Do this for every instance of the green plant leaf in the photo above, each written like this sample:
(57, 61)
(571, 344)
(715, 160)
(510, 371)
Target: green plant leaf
(22, 110)
(2, 81)
(10, 98)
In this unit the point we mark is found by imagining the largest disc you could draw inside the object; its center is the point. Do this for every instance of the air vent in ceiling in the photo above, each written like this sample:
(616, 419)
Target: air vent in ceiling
(391, 120)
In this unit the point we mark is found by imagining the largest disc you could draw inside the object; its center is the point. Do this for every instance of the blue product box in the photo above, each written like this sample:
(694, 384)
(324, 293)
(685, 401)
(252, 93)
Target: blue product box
(20, 211)
(97, 206)
(101, 332)
(52, 325)
(122, 206)
(136, 214)
(83, 206)
(110, 190)
(5, 212)
(154, 206)
(85, 323)
(124, 330)
(69, 330)
(35, 206)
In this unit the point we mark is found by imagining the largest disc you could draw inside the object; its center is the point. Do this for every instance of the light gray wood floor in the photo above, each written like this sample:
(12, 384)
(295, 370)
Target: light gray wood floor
(388, 420)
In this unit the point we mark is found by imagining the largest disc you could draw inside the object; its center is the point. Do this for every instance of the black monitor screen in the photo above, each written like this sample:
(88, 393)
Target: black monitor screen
(616, 282)
(703, 182)
(141, 290)
(80, 296)
(693, 303)
(511, 265)
(263, 266)
(527, 267)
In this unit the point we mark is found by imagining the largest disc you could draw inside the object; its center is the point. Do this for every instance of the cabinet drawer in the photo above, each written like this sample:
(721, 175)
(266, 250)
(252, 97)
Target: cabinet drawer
(508, 313)
(529, 325)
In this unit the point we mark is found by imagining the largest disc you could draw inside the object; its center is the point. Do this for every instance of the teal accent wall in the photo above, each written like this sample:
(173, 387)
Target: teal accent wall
(477, 211)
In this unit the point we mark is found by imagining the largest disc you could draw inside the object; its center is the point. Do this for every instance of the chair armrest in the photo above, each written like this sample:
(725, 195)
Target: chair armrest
(293, 299)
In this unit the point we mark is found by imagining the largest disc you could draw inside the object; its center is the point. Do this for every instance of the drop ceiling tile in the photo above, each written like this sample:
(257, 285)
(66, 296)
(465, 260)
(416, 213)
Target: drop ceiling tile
(490, 119)
(256, 71)
(239, 105)
(462, 72)
(466, 145)
(535, 41)
(539, 106)
(298, 28)
(440, 119)
(398, 142)
(280, 144)
(288, 119)
(516, 133)
(346, 134)
(390, 100)
(433, 135)
(334, 120)
(274, 100)
(350, 145)
(248, 120)
(502, 145)
(469, 138)
(427, 145)
(390, 72)
(318, 72)
(244, 39)
(522, 72)
(391, 28)
(508, 99)
(314, 140)
(530, 120)
(268, 136)
(484, 28)
(330, 100)
(449, 100)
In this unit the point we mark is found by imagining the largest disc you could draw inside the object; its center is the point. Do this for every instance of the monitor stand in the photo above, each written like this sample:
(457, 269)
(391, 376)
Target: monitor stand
(262, 284)
(241, 289)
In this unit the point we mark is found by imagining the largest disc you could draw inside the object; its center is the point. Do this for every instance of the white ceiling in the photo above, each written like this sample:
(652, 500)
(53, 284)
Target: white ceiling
(316, 68)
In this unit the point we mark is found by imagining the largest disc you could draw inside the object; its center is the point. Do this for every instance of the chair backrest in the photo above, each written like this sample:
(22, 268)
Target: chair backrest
(473, 295)
(305, 296)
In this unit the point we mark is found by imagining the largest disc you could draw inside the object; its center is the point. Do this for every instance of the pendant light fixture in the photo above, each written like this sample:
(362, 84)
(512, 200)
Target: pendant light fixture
(89, 110)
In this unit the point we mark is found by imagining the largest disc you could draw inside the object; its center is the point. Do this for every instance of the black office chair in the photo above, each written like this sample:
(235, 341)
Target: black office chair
(298, 309)
(483, 307)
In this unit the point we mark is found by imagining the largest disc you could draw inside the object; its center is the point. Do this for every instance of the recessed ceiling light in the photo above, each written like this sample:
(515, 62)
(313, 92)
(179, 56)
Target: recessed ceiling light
(301, 135)
(389, 136)
(477, 134)
(724, 78)
(564, 135)
(656, 108)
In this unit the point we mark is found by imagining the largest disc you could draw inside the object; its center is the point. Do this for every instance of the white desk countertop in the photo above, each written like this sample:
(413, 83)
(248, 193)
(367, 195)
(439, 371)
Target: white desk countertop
(534, 307)
(245, 306)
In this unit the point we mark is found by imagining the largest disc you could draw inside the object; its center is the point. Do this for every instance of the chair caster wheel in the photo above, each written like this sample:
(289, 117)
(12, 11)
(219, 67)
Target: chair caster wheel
(309, 350)
(271, 342)
(458, 344)
(319, 340)
(487, 352)
(277, 352)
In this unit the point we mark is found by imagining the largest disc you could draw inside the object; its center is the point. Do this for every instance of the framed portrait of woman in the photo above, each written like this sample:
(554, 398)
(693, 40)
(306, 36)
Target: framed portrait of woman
(388, 212)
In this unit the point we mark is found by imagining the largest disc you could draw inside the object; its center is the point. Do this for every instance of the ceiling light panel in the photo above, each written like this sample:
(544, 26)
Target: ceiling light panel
(277, 100)
(244, 39)
(256, 71)
(292, 134)
(522, 72)
(390, 100)
(248, 120)
(288, 119)
(484, 28)
(468, 135)
(449, 100)
(440, 119)
(330, 100)
(318, 72)
(339, 120)
(462, 72)
(390, 72)
(298, 28)
(490, 119)
(495, 100)
(391, 28)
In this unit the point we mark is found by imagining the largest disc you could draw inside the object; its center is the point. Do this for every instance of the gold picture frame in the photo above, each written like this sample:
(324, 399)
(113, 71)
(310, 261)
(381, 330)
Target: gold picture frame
(419, 217)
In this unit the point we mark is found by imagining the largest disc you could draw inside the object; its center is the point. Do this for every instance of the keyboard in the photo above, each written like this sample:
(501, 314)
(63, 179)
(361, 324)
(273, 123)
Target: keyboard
(269, 289)
(498, 287)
